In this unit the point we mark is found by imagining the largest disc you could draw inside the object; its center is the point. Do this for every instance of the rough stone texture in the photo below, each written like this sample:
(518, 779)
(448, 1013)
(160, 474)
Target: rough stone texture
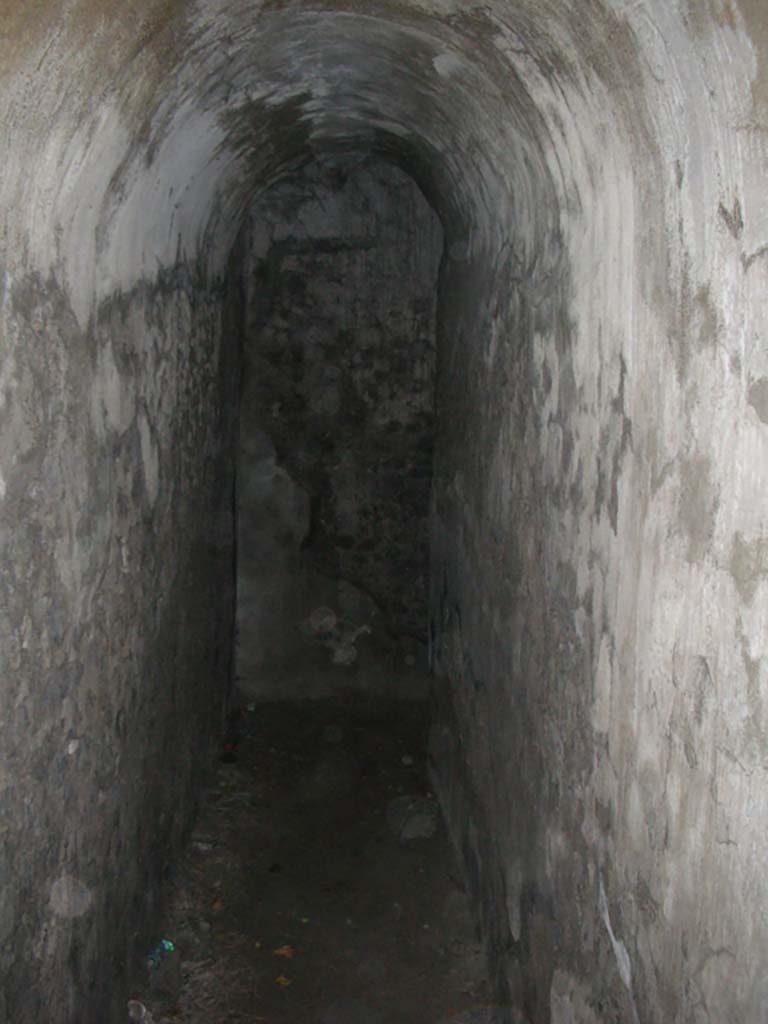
(599, 521)
(337, 410)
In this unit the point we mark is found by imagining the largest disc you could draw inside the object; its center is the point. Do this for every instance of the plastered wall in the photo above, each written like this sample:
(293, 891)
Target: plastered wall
(117, 620)
(598, 520)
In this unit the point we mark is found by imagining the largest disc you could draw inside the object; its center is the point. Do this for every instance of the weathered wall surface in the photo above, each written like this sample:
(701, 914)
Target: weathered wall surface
(599, 544)
(337, 414)
(116, 625)
(599, 523)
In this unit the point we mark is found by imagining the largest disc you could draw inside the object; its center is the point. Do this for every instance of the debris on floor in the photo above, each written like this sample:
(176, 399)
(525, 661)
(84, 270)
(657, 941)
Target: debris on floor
(412, 817)
(319, 886)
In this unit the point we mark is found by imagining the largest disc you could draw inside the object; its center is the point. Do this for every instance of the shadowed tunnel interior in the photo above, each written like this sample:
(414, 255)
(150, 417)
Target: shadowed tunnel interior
(340, 264)
(597, 526)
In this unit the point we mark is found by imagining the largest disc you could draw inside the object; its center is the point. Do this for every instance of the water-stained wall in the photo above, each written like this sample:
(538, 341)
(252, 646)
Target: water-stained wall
(117, 622)
(599, 531)
(598, 553)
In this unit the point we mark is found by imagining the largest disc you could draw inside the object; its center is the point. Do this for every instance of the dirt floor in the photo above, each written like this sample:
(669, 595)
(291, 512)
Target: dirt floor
(319, 885)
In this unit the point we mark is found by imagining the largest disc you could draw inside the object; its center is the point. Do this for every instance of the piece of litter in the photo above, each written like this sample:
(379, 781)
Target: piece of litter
(154, 958)
(406, 759)
(286, 951)
(305, 920)
(283, 981)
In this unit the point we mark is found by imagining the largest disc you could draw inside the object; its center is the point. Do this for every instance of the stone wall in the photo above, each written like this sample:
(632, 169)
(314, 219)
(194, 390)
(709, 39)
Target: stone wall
(116, 525)
(601, 462)
(599, 576)
(337, 426)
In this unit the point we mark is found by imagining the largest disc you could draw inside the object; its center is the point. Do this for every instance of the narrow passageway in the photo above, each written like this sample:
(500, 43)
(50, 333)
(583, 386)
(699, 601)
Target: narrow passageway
(320, 886)
(379, 338)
